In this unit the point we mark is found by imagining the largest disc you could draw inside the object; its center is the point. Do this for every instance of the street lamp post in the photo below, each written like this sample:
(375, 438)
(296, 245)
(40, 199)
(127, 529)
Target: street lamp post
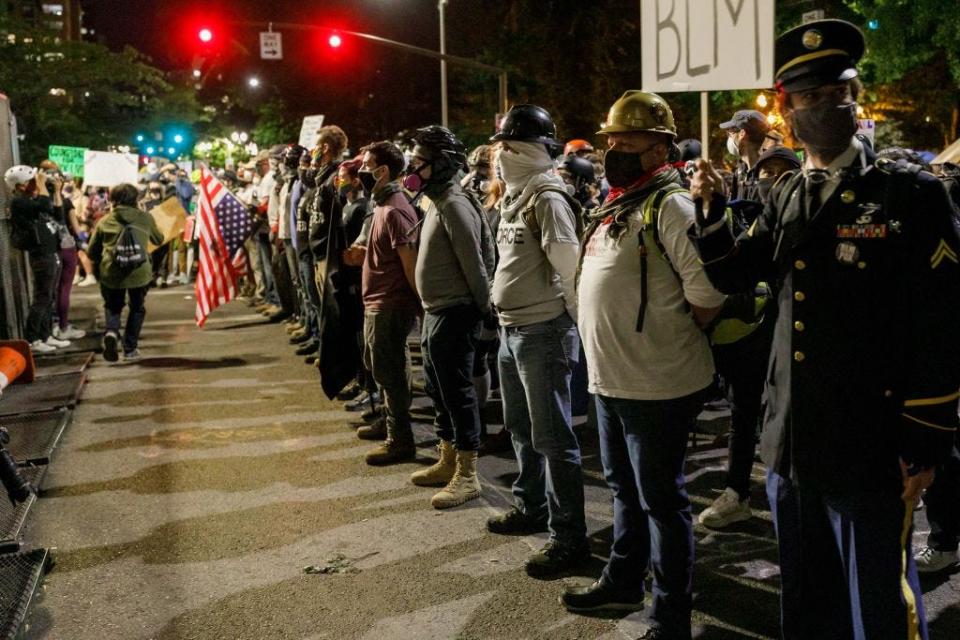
(441, 4)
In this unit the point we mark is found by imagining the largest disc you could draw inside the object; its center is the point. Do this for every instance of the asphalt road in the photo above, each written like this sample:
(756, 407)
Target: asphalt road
(194, 487)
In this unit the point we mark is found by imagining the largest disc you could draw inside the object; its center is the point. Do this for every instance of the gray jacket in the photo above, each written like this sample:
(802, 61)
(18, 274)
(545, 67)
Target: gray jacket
(455, 262)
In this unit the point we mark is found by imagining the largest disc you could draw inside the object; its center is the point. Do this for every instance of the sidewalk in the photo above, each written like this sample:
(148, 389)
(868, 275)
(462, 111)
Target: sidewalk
(193, 489)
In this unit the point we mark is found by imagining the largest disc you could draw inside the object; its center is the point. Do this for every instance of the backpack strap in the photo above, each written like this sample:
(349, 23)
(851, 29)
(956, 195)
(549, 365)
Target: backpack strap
(651, 219)
(529, 212)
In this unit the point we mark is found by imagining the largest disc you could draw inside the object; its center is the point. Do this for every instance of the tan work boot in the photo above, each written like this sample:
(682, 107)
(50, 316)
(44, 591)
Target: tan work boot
(377, 430)
(440, 473)
(463, 486)
(398, 447)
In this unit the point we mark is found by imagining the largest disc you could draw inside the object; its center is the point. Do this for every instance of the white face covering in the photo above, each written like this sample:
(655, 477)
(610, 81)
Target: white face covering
(732, 146)
(522, 162)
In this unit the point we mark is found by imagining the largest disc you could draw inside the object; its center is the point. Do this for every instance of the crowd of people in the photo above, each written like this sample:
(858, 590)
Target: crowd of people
(71, 232)
(815, 291)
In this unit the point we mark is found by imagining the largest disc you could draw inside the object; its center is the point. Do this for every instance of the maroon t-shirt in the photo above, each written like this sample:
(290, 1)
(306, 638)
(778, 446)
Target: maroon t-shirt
(385, 285)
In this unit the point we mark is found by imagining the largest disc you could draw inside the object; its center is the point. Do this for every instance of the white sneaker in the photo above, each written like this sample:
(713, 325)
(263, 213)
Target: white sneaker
(89, 280)
(76, 278)
(71, 333)
(59, 344)
(39, 346)
(55, 332)
(929, 560)
(184, 279)
(725, 510)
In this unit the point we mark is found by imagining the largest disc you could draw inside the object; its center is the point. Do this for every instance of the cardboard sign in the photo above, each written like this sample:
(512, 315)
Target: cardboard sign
(69, 159)
(308, 131)
(171, 219)
(271, 45)
(706, 45)
(106, 169)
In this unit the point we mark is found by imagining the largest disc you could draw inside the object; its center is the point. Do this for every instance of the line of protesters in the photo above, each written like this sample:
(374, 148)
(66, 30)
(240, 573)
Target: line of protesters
(668, 273)
(788, 279)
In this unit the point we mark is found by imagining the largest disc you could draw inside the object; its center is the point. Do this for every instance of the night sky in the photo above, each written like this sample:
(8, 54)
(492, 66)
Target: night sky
(361, 86)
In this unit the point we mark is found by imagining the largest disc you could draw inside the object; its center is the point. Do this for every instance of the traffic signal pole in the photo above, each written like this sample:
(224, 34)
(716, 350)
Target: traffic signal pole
(502, 78)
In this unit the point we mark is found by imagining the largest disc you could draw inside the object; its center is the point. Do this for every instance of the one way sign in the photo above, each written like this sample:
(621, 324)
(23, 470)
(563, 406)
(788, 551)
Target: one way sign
(271, 45)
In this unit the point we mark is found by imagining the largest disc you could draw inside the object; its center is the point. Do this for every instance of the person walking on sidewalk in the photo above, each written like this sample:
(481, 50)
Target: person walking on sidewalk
(533, 290)
(117, 282)
(454, 269)
(390, 301)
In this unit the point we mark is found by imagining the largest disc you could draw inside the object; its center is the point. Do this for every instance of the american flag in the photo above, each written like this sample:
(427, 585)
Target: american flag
(223, 225)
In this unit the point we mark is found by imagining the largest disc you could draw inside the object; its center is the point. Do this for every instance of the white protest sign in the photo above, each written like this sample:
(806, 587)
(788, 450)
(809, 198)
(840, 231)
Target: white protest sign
(308, 131)
(868, 128)
(106, 169)
(706, 45)
(271, 45)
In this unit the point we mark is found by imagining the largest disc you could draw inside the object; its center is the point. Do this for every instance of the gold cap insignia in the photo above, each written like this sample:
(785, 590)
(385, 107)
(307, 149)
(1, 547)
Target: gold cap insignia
(812, 39)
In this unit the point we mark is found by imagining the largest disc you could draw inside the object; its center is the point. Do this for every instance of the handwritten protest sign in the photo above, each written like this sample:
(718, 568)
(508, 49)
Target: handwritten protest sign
(69, 159)
(706, 45)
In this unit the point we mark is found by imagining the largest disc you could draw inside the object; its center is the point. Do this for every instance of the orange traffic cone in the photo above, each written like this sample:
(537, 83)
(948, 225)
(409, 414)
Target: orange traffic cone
(16, 362)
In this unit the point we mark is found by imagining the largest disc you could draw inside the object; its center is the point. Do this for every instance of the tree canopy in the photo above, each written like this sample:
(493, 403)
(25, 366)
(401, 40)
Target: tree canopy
(83, 94)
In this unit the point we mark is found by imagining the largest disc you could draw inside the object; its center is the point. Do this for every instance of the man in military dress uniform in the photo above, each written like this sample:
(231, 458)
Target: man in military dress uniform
(864, 371)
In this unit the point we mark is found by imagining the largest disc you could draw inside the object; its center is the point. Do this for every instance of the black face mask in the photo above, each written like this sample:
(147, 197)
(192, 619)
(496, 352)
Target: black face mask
(825, 126)
(763, 187)
(367, 179)
(309, 178)
(622, 168)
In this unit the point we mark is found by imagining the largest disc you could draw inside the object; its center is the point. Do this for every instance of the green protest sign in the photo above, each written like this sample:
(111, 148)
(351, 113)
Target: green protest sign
(69, 159)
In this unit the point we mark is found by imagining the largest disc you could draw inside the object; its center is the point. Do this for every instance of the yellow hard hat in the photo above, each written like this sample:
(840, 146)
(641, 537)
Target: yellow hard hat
(639, 111)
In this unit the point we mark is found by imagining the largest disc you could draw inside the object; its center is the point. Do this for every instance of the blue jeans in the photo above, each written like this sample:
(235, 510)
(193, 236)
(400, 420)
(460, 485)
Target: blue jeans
(643, 444)
(113, 303)
(535, 364)
(265, 249)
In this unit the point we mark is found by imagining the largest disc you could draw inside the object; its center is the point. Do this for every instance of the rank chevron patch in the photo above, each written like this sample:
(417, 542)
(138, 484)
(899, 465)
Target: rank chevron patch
(942, 252)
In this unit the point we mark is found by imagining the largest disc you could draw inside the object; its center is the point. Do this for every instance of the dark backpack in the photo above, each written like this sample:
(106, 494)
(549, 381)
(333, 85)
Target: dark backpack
(128, 253)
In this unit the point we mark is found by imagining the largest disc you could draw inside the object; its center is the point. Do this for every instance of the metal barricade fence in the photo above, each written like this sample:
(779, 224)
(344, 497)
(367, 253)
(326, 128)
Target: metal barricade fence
(14, 283)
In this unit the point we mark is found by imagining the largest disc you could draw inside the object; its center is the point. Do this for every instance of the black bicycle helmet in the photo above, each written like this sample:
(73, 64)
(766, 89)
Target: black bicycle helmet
(438, 145)
(529, 123)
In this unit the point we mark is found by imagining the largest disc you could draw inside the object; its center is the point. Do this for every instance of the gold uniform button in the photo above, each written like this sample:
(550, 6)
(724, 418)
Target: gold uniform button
(861, 265)
(888, 394)
(799, 356)
(799, 326)
(800, 265)
(799, 296)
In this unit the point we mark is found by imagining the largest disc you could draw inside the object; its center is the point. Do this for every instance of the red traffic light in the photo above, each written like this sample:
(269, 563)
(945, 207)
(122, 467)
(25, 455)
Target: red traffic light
(205, 35)
(335, 41)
